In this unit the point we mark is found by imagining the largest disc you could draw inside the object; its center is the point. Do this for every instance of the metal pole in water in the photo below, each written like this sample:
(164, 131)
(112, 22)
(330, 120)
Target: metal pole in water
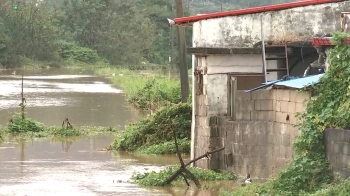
(263, 49)
(22, 96)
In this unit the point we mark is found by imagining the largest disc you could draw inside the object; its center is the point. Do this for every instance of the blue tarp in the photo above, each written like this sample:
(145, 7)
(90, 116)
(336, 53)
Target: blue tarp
(297, 83)
(300, 82)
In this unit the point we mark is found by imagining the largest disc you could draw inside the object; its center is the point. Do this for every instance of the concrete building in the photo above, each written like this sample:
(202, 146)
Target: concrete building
(228, 58)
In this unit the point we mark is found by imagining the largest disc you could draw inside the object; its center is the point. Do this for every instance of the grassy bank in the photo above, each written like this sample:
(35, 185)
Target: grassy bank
(145, 90)
(151, 90)
(29, 128)
(158, 178)
(155, 134)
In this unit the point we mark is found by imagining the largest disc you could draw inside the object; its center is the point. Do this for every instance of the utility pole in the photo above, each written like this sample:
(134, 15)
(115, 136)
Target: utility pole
(182, 53)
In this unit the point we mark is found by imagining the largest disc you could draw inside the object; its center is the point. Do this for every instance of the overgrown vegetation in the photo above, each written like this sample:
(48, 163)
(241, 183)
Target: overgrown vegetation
(28, 128)
(167, 147)
(146, 91)
(309, 170)
(162, 95)
(54, 31)
(339, 189)
(158, 129)
(158, 178)
(119, 31)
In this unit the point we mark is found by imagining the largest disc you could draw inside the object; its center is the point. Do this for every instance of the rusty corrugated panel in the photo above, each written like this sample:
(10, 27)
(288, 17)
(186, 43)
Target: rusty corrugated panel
(326, 41)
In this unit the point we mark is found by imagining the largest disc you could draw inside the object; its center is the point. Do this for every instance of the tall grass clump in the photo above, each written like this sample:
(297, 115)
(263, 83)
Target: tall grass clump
(145, 90)
(328, 108)
(18, 125)
(158, 129)
(29, 128)
(167, 147)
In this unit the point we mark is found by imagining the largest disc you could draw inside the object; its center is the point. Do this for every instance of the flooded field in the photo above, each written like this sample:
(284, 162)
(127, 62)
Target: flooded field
(54, 94)
(73, 166)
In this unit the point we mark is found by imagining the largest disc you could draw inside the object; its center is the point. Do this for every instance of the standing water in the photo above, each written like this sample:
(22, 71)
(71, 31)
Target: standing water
(69, 166)
(54, 94)
(72, 166)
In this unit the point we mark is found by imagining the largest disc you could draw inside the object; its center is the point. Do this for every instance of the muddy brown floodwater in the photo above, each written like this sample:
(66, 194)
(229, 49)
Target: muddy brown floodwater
(73, 166)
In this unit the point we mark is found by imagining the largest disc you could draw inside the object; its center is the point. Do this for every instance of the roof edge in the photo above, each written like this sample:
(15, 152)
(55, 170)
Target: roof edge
(254, 10)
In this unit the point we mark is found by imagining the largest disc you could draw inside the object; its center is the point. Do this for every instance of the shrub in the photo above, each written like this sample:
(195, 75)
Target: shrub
(24, 125)
(71, 51)
(168, 147)
(157, 129)
(341, 189)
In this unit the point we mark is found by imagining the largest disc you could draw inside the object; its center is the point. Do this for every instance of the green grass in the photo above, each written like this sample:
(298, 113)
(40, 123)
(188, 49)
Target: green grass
(156, 92)
(341, 188)
(144, 91)
(158, 178)
(58, 132)
(29, 128)
(167, 147)
(157, 131)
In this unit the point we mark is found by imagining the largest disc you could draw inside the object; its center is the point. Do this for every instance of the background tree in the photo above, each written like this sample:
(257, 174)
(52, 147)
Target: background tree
(119, 31)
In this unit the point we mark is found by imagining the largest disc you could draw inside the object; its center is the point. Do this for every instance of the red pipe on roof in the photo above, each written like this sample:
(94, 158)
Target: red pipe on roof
(191, 19)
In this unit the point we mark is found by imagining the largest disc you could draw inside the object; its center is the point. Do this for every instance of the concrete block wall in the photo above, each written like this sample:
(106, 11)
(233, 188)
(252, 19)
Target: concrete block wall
(274, 105)
(259, 141)
(202, 130)
(337, 143)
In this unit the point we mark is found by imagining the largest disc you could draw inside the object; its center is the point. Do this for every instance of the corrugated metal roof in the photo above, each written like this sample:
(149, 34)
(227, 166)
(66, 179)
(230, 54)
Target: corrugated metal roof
(297, 83)
(300, 82)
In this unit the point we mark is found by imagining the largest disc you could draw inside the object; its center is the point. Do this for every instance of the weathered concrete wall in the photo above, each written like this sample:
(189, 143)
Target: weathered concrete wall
(260, 140)
(292, 24)
(201, 131)
(337, 142)
(235, 63)
(215, 70)
(217, 94)
(252, 64)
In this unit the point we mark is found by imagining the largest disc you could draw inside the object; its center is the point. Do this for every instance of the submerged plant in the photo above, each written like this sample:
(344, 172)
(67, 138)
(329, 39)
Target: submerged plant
(158, 178)
(18, 124)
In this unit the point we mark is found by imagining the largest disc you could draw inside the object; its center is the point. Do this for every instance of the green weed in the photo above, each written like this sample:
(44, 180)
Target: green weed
(18, 125)
(340, 189)
(72, 51)
(145, 91)
(158, 178)
(28, 128)
(157, 129)
(167, 147)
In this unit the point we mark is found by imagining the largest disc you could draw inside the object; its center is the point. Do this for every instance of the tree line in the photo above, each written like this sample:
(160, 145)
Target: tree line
(116, 31)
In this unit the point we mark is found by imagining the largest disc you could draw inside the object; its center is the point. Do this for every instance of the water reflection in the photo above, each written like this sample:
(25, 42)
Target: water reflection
(73, 166)
(70, 166)
(57, 93)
